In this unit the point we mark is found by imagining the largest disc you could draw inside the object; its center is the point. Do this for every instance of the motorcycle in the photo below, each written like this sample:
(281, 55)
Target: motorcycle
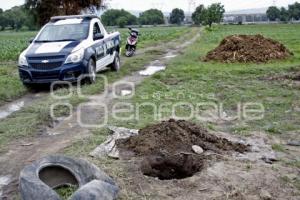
(132, 41)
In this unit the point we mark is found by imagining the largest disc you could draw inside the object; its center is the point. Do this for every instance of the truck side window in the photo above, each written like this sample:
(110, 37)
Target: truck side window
(96, 29)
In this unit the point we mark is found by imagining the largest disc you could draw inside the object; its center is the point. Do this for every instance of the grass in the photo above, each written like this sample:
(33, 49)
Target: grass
(226, 85)
(11, 88)
(66, 192)
(13, 43)
(278, 147)
(28, 121)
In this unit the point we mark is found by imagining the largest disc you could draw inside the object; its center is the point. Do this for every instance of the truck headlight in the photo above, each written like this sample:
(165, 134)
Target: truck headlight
(22, 60)
(75, 57)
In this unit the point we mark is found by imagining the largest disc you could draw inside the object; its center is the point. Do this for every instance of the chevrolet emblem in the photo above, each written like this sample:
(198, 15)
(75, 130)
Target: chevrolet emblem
(45, 61)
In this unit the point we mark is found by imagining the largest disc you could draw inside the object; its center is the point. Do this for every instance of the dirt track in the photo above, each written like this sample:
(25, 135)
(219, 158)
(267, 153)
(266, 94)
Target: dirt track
(22, 152)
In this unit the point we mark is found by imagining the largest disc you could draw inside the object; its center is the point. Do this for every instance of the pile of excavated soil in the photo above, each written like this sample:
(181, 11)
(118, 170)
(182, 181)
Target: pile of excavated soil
(167, 151)
(248, 48)
(175, 137)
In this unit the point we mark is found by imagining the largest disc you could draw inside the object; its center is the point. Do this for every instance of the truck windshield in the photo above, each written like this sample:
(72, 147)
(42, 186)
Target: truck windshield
(66, 32)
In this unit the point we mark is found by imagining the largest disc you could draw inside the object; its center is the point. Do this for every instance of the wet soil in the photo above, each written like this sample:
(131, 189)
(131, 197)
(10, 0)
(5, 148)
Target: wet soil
(175, 137)
(177, 166)
(248, 48)
(166, 148)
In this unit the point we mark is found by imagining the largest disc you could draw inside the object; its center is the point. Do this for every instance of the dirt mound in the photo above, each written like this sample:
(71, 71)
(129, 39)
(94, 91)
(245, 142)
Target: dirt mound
(167, 148)
(248, 48)
(175, 137)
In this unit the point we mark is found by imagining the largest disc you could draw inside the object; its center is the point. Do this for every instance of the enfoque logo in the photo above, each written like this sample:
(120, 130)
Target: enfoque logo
(115, 102)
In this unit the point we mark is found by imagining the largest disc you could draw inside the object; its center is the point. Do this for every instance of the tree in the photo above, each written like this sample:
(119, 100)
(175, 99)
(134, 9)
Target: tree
(207, 16)
(121, 18)
(273, 13)
(44, 9)
(214, 14)
(16, 18)
(151, 17)
(284, 15)
(177, 16)
(199, 15)
(294, 11)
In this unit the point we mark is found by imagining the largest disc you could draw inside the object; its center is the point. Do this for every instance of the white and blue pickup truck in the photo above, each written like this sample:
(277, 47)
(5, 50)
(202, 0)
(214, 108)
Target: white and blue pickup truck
(68, 47)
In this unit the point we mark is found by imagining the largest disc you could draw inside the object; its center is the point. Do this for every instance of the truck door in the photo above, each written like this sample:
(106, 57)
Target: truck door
(100, 48)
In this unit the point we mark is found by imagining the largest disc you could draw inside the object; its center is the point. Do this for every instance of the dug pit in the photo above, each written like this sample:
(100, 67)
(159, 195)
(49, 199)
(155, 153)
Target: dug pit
(166, 148)
(172, 166)
(247, 49)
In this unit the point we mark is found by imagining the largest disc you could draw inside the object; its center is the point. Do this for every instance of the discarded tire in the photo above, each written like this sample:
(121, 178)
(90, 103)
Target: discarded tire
(38, 180)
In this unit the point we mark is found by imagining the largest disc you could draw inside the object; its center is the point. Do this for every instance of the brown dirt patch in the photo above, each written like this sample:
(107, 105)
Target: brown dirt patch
(175, 137)
(248, 48)
(167, 148)
(292, 76)
(177, 166)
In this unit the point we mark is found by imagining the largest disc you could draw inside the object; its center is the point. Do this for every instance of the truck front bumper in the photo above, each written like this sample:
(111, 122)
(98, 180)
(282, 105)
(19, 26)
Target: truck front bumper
(67, 72)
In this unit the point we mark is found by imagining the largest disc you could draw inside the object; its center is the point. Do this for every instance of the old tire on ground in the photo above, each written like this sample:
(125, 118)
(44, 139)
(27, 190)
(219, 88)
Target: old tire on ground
(116, 65)
(38, 180)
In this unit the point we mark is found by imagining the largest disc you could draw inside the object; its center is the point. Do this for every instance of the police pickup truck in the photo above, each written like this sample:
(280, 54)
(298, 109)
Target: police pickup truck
(68, 47)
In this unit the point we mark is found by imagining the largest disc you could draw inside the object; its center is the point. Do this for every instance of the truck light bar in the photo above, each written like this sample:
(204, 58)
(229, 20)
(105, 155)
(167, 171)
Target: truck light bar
(57, 18)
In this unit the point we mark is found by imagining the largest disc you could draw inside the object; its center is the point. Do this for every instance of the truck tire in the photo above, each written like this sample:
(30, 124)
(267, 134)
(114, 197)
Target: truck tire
(38, 180)
(91, 71)
(116, 65)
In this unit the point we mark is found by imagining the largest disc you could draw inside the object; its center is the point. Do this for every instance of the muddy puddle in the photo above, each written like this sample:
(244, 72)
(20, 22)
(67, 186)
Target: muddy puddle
(8, 109)
(153, 68)
(11, 108)
(150, 70)
(170, 55)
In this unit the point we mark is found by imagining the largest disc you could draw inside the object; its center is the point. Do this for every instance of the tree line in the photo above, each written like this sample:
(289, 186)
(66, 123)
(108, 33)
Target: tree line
(282, 14)
(16, 18)
(35, 13)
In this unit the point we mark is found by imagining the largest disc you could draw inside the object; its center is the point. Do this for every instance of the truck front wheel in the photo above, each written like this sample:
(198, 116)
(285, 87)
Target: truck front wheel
(91, 71)
(115, 66)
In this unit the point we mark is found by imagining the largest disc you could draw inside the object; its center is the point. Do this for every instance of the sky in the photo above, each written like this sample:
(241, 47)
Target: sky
(168, 5)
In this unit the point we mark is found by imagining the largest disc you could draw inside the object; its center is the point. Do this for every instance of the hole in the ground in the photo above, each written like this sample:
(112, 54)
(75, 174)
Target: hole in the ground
(178, 166)
(57, 176)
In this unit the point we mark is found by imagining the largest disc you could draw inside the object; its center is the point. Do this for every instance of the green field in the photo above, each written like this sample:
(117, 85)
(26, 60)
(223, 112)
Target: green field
(228, 84)
(13, 43)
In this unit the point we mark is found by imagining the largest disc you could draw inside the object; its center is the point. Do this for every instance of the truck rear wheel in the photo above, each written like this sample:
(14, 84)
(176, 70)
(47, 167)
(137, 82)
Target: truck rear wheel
(116, 65)
(91, 71)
